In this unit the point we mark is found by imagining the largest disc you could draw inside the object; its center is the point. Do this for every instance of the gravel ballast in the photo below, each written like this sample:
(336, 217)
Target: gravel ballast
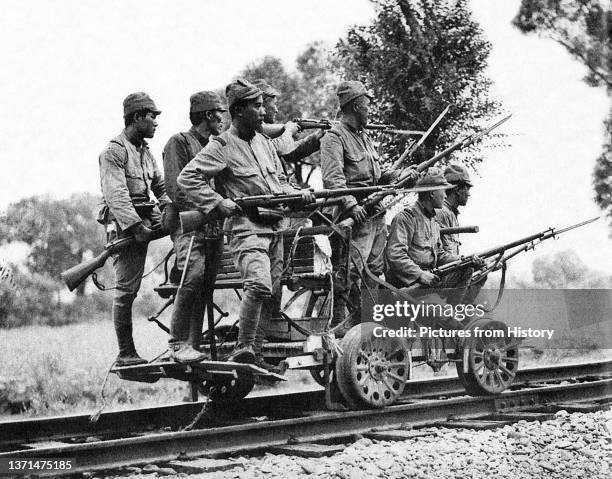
(569, 446)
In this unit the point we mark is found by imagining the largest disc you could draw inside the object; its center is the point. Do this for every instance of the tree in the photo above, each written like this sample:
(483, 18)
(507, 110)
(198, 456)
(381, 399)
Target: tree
(417, 57)
(58, 232)
(584, 29)
(272, 70)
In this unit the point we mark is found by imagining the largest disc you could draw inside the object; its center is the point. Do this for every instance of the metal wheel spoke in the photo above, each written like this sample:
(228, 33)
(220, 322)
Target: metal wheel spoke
(509, 359)
(506, 370)
(395, 376)
(361, 367)
(498, 377)
(477, 354)
(398, 364)
(389, 385)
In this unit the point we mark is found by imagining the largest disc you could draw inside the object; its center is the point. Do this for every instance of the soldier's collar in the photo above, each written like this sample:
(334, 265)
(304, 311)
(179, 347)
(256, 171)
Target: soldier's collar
(426, 213)
(451, 207)
(198, 136)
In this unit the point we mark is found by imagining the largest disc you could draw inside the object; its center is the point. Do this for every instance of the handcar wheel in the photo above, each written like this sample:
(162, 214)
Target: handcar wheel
(372, 371)
(231, 389)
(492, 362)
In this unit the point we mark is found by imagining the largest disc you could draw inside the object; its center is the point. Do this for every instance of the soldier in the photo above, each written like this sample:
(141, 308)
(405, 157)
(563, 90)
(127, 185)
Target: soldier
(446, 216)
(243, 163)
(205, 114)
(414, 247)
(289, 150)
(128, 176)
(349, 159)
(457, 196)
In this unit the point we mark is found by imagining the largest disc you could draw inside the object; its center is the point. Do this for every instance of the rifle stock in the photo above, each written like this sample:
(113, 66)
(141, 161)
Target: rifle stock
(74, 276)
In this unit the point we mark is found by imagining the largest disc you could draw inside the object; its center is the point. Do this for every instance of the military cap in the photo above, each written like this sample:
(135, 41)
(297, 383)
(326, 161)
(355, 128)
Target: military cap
(349, 90)
(431, 181)
(265, 87)
(139, 101)
(206, 101)
(457, 174)
(241, 89)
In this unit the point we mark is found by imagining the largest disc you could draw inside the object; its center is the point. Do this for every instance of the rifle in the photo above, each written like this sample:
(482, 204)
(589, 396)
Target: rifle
(412, 148)
(403, 182)
(77, 274)
(324, 124)
(192, 220)
(523, 244)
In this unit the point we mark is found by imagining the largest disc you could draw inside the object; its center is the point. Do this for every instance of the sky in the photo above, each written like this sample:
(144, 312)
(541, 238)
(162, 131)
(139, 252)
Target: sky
(68, 65)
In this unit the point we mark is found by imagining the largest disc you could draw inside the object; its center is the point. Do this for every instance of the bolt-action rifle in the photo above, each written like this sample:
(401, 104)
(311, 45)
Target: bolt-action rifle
(192, 220)
(406, 180)
(503, 253)
(77, 274)
(323, 124)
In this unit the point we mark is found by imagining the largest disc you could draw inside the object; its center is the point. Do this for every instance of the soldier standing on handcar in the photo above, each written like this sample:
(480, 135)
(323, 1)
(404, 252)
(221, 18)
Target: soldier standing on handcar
(243, 163)
(205, 114)
(289, 150)
(350, 159)
(128, 176)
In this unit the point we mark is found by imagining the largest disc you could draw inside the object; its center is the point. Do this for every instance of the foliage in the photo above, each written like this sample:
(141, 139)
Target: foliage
(563, 270)
(584, 29)
(306, 92)
(58, 232)
(418, 56)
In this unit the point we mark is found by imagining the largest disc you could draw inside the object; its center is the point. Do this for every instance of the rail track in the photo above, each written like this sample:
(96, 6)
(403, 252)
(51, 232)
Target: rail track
(153, 435)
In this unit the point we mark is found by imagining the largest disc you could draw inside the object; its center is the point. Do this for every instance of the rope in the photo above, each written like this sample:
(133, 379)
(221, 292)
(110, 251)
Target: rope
(94, 417)
(199, 415)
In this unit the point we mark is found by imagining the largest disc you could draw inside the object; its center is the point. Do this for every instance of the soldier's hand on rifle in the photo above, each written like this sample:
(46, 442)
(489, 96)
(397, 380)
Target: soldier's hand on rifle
(478, 262)
(227, 208)
(428, 279)
(410, 175)
(319, 133)
(292, 128)
(141, 233)
(308, 196)
(358, 213)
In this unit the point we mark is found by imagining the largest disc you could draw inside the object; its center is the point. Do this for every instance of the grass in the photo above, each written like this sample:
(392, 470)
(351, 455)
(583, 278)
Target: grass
(59, 370)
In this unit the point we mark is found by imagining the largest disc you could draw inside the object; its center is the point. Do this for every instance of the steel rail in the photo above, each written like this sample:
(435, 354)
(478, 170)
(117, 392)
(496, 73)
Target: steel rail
(14, 433)
(319, 426)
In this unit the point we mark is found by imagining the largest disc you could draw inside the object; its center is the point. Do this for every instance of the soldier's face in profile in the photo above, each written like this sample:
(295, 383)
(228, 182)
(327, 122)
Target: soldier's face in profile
(146, 125)
(463, 193)
(253, 114)
(215, 122)
(270, 105)
(362, 110)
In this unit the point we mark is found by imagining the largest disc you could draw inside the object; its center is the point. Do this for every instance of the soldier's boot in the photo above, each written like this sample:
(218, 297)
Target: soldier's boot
(183, 352)
(122, 319)
(248, 320)
(180, 350)
(259, 357)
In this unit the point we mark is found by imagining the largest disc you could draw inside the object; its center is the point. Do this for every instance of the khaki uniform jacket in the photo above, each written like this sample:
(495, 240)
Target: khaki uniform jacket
(413, 246)
(447, 218)
(240, 168)
(180, 150)
(349, 159)
(128, 175)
